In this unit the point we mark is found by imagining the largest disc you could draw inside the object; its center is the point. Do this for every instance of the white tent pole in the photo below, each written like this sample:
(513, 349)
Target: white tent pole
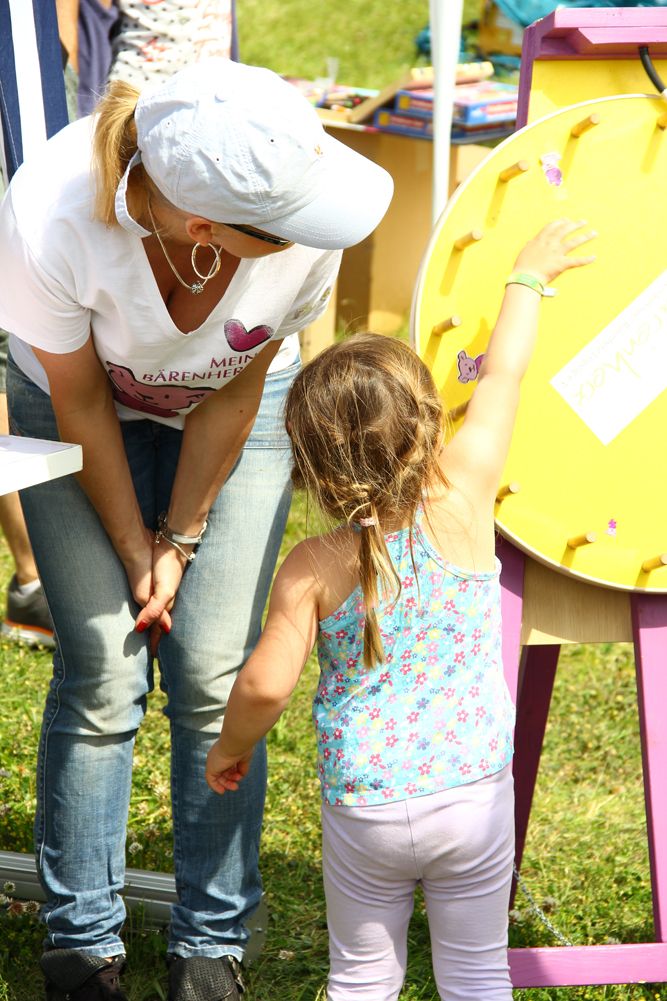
(446, 17)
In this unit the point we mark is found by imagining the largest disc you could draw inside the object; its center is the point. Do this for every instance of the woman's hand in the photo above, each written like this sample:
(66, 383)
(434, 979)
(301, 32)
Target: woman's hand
(157, 590)
(137, 559)
(547, 255)
(224, 772)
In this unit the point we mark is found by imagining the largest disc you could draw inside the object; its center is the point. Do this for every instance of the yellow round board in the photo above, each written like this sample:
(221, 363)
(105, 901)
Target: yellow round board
(588, 447)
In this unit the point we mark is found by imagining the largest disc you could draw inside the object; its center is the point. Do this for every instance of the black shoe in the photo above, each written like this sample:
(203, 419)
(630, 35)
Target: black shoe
(200, 978)
(27, 619)
(72, 975)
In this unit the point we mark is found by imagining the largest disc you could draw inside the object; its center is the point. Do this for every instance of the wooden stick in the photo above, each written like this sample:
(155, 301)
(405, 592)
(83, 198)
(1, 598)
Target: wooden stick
(507, 489)
(472, 237)
(442, 328)
(584, 539)
(520, 167)
(458, 411)
(655, 563)
(584, 125)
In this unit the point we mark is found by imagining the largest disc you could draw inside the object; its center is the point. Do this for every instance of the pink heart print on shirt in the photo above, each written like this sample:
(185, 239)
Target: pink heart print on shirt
(241, 339)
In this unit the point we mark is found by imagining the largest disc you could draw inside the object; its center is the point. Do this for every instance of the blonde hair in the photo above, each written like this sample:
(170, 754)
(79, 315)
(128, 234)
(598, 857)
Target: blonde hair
(366, 424)
(114, 145)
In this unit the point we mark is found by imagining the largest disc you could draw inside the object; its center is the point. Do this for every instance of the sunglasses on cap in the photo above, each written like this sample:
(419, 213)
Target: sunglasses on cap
(247, 231)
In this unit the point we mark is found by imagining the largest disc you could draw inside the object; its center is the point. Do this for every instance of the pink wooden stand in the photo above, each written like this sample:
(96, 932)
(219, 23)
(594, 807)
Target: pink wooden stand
(599, 34)
(530, 673)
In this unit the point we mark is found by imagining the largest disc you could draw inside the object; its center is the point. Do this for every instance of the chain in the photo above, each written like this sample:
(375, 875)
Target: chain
(537, 910)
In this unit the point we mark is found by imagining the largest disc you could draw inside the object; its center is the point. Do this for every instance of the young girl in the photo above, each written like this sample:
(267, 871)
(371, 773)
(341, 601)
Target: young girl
(413, 717)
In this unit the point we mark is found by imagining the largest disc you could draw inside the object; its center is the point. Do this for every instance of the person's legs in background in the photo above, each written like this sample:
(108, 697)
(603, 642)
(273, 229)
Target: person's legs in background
(26, 615)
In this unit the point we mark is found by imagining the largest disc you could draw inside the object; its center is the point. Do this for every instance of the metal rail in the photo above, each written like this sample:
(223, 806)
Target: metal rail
(155, 891)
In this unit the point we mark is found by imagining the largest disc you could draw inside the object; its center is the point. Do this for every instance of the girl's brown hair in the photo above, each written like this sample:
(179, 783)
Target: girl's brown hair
(366, 425)
(114, 145)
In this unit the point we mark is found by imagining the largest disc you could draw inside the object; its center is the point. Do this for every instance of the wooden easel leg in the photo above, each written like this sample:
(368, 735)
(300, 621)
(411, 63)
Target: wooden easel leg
(649, 626)
(536, 679)
(530, 676)
(629, 963)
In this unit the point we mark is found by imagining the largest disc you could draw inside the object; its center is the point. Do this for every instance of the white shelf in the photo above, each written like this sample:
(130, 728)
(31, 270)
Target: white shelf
(27, 461)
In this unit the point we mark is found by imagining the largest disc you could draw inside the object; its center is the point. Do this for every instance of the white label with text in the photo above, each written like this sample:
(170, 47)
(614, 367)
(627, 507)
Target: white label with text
(622, 370)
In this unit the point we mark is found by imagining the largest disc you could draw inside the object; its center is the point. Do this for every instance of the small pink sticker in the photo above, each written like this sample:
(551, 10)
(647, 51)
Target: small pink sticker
(552, 171)
(468, 367)
(611, 526)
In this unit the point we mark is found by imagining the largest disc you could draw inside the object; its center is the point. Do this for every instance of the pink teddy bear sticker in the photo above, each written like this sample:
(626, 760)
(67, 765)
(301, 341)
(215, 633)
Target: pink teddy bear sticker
(468, 367)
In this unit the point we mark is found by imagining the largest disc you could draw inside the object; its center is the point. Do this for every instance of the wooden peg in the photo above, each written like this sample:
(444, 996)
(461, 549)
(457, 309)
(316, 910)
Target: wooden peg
(584, 125)
(584, 539)
(661, 121)
(448, 324)
(520, 167)
(472, 237)
(655, 563)
(456, 412)
(507, 489)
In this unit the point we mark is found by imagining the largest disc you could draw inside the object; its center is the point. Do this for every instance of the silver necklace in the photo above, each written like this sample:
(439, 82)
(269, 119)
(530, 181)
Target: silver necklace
(196, 287)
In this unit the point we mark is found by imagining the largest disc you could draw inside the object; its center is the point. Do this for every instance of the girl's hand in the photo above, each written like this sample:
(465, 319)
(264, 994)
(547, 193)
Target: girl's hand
(546, 255)
(223, 773)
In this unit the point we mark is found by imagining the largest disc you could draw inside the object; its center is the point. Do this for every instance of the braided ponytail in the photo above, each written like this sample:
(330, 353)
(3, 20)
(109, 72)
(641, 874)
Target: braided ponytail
(380, 585)
(366, 426)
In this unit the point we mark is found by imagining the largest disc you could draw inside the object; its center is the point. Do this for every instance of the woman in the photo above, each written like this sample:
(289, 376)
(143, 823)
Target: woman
(154, 301)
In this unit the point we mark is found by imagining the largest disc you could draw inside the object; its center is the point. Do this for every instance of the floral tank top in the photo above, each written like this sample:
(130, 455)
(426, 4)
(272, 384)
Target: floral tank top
(438, 712)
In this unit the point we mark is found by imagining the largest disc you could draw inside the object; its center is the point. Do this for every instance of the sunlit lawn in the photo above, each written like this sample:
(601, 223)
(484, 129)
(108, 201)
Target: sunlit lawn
(586, 854)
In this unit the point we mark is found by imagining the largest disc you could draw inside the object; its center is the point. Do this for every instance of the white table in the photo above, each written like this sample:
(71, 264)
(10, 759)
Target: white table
(27, 461)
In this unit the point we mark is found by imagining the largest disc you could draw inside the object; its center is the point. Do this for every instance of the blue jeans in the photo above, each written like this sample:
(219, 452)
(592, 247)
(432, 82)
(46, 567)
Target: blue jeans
(102, 674)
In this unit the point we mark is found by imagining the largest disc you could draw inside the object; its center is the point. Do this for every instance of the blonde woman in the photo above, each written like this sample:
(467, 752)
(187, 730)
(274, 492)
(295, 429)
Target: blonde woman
(156, 263)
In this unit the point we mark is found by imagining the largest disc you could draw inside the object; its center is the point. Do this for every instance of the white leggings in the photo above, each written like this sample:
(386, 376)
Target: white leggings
(459, 844)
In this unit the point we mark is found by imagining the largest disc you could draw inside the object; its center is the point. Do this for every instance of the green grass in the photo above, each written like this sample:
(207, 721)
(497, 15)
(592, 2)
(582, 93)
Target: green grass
(586, 854)
(373, 43)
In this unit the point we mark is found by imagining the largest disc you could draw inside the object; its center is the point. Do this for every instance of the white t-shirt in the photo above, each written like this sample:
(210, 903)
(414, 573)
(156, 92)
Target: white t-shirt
(65, 276)
(153, 40)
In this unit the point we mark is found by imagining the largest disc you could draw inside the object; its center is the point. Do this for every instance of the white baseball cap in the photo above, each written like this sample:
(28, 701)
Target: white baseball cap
(238, 144)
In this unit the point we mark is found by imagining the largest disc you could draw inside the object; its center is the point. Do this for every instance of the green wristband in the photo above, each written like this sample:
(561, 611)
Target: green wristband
(530, 281)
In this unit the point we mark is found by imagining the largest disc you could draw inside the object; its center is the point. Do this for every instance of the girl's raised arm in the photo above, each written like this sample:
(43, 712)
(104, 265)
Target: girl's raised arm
(481, 445)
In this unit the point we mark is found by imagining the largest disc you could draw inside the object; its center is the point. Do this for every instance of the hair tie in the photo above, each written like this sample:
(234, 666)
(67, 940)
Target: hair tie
(368, 522)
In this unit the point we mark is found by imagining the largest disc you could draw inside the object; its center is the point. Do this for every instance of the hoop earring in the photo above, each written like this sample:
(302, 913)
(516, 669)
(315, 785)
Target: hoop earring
(215, 267)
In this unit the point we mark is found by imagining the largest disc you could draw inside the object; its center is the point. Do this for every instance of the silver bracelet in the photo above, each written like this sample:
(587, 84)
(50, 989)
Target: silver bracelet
(160, 535)
(177, 540)
(183, 540)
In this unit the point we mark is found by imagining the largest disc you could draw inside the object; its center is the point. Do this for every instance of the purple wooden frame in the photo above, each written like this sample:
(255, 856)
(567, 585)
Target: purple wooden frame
(589, 33)
(530, 675)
